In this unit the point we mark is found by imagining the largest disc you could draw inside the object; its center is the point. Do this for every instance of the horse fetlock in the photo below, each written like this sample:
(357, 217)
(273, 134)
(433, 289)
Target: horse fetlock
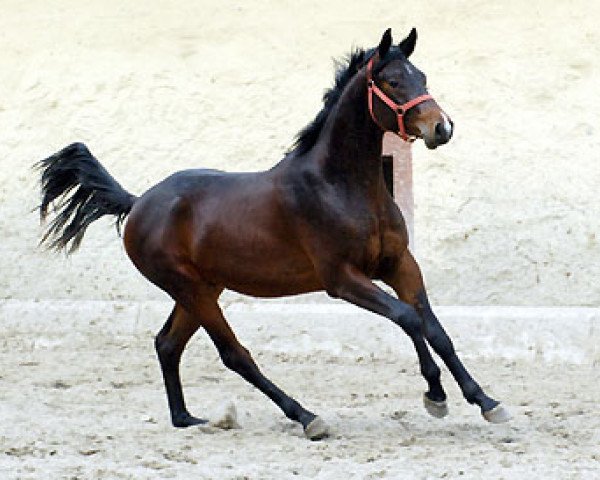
(296, 412)
(431, 373)
(472, 392)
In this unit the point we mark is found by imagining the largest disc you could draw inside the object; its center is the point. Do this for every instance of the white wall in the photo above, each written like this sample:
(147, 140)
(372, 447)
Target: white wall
(506, 214)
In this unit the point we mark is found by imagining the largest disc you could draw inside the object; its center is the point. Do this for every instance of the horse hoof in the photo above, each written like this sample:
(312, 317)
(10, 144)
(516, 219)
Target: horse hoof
(498, 414)
(435, 409)
(317, 429)
(185, 421)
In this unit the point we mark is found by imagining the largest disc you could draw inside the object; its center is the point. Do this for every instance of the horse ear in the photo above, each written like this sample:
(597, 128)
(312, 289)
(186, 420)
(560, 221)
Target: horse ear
(407, 45)
(385, 43)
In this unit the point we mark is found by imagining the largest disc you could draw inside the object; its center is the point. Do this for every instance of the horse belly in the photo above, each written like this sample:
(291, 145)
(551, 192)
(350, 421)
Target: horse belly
(259, 260)
(262, 274)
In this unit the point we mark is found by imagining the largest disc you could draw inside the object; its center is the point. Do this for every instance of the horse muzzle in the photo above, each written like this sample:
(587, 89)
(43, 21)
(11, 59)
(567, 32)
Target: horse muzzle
(439, 134)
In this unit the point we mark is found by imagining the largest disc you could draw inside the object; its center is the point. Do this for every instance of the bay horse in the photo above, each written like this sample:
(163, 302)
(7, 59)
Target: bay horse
(321, 219)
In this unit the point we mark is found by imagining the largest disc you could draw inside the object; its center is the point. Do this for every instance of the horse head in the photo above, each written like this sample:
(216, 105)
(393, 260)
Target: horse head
(398, 97)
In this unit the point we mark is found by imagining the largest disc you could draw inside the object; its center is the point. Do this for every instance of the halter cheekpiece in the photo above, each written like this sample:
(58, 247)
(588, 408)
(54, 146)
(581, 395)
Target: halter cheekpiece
(400, 110)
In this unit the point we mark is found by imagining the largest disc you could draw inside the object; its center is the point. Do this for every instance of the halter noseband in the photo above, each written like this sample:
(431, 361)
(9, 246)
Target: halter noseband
(400, 110)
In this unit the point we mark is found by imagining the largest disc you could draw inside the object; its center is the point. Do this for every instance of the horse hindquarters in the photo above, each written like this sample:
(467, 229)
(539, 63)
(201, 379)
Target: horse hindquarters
(158, 241)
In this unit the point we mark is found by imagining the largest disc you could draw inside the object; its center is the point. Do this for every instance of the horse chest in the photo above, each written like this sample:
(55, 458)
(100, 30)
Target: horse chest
(361, 242)
(379, 245)
(371, 254)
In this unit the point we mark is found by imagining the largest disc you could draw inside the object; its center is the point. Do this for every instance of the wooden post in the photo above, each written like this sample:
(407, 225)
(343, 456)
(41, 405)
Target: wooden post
(400, 152)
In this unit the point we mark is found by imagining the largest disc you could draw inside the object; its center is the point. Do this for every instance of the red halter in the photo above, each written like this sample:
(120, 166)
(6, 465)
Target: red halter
(400, 110)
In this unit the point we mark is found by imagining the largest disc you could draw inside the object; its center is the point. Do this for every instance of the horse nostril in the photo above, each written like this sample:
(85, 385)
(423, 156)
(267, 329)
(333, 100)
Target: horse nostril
(439, 131)
(442, 133)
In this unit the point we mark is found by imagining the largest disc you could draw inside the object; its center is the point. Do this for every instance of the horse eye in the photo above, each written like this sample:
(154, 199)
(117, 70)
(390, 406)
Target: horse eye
(393, 83)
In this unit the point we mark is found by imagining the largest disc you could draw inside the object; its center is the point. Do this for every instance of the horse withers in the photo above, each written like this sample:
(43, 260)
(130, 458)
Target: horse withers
(320, 219)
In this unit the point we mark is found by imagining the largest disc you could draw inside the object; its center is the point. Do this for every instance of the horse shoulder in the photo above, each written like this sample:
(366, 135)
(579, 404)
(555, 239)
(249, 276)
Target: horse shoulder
(394, 238)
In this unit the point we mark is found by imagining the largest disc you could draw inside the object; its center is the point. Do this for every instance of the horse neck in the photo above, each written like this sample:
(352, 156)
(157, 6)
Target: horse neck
(351, 142)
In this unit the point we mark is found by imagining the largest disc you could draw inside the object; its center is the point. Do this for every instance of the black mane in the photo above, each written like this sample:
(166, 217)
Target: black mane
(345, 70)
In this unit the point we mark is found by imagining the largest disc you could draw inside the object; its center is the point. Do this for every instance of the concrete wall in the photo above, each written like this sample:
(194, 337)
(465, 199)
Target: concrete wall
(546, 335)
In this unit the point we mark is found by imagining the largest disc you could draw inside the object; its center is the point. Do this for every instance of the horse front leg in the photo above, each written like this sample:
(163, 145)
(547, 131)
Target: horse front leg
(407, 281)
(353, 286)
(434, 399)
(437, 337)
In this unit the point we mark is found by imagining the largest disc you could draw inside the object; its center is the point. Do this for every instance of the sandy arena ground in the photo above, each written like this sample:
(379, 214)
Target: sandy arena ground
(84, 399)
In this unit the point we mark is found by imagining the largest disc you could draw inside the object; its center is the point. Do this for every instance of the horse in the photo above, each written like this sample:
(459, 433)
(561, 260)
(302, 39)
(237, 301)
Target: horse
(321, 219)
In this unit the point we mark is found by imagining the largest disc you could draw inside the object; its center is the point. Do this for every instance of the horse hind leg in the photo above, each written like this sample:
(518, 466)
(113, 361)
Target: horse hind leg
(238, 359)
(170, 343)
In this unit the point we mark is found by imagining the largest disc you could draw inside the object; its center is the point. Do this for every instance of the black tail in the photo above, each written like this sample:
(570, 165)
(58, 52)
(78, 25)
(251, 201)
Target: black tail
(97, 194)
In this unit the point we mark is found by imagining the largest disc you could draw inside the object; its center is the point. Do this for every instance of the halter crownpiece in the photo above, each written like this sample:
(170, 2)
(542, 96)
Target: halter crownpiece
(400, 110)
